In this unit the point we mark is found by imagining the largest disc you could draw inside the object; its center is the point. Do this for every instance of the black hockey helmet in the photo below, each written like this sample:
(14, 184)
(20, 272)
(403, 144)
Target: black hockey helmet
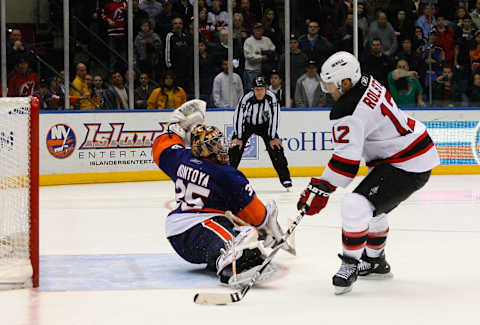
(209, 142)
(259, 82)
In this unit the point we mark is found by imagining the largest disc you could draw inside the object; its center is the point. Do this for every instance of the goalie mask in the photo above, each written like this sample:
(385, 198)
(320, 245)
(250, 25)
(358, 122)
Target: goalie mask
(208, 142)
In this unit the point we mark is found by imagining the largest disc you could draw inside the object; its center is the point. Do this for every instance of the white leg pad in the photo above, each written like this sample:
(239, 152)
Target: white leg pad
(357, 212)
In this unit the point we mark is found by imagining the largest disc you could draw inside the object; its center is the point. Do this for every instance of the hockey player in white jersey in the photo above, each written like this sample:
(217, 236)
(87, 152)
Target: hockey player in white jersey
(366, 123)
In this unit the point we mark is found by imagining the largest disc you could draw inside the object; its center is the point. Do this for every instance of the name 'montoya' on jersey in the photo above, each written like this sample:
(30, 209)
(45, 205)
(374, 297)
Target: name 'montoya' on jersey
(193, 175)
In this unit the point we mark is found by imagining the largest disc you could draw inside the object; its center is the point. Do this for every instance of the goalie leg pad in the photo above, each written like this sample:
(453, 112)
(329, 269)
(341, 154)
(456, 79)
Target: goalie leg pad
(249, 253)
(271, 227)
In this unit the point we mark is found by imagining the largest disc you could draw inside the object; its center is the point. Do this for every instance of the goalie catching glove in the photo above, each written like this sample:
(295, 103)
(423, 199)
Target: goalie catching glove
(321, 190)
(186, 117)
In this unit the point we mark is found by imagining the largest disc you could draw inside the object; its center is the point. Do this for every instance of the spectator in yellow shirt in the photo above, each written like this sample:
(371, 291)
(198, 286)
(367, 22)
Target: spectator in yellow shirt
(80, 98)
(168, 96)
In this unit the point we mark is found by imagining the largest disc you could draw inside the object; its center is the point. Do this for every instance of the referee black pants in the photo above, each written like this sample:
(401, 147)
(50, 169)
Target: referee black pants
(277, 156)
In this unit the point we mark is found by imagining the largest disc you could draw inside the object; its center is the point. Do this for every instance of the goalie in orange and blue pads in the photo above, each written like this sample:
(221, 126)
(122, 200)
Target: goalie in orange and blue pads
(205, 188)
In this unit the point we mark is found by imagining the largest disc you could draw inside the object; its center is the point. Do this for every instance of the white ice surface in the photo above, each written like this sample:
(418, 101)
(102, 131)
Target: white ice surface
(433, 248)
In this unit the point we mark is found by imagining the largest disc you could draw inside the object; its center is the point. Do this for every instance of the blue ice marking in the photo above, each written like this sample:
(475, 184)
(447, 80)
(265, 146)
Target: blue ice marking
(122, 272)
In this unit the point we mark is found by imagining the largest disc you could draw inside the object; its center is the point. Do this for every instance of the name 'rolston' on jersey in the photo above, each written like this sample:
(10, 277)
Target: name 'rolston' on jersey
(366, 123)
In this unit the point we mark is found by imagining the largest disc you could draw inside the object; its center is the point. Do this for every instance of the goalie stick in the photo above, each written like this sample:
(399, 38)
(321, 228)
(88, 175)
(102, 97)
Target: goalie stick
(288, 247)
(227, 298)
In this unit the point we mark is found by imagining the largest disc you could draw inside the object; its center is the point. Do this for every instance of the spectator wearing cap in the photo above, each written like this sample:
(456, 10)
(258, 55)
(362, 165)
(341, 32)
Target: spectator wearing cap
(433, 54)
(315, 46)
(381, 29)
(23, 82)
(308, 91)
(405, 86)
(276, 87)
(298, 62)
(377, 63)
(258, 51)
(221, 87)
(257, 112)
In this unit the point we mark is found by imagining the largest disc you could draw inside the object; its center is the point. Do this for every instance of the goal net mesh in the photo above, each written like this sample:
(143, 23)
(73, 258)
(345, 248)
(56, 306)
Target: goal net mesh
(15, 266)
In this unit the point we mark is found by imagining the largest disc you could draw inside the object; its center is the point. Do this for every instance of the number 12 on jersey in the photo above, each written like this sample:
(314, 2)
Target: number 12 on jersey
(390, 109)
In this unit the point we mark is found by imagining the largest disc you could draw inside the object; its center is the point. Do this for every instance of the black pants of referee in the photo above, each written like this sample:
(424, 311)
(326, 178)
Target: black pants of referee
(277, 156)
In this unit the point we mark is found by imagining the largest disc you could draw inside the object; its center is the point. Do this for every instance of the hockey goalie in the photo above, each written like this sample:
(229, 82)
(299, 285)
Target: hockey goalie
(206, 186)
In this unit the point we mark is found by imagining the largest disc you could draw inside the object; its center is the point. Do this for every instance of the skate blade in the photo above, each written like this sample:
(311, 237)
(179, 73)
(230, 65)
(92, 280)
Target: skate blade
(342, 290)
(376, 276)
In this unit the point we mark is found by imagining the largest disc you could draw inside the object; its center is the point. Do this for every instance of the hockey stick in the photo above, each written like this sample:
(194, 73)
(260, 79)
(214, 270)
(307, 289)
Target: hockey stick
(288, 247)
(227, 298)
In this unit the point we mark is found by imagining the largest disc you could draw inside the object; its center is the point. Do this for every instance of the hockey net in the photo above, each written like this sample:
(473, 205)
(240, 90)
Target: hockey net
(19, 256)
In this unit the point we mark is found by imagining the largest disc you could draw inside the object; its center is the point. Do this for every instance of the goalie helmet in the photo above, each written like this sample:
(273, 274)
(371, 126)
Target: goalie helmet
(208, 142)
(339, 66)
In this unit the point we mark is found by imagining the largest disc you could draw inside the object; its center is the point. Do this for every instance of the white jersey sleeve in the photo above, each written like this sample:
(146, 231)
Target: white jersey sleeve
(348, 140)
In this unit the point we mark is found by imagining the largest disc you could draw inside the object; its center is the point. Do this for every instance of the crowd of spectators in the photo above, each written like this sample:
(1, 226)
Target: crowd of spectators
(419, 51)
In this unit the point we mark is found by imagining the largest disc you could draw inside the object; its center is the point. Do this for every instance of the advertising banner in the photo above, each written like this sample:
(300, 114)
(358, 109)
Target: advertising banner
(84, 142)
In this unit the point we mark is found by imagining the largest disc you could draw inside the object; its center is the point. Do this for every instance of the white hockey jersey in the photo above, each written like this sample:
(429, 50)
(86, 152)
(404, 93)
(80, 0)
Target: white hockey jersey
(366, 123)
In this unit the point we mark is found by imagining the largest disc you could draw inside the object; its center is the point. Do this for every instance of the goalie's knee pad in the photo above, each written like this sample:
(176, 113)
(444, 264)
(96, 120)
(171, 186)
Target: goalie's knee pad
(245, 249)
(357, 212)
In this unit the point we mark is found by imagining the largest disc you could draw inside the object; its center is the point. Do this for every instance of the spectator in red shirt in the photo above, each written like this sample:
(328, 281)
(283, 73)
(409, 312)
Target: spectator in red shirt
(446, 38)
(23, 82)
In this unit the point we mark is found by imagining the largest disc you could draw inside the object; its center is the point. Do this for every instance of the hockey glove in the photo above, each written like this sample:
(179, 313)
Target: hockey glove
(321, 190)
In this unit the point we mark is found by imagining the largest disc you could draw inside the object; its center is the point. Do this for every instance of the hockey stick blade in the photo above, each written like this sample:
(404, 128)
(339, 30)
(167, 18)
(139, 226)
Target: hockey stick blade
(228, 298)
(216, 298)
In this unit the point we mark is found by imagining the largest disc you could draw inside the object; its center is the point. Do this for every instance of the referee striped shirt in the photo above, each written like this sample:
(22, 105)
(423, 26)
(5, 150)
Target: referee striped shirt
(250, 111)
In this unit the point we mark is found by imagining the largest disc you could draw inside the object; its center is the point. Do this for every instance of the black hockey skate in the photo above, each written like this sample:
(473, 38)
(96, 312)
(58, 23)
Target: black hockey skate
(374, 268)
(346, 275)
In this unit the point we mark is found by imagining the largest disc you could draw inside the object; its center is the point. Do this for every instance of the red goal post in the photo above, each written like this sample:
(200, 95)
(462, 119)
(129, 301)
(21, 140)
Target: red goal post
(19, 192)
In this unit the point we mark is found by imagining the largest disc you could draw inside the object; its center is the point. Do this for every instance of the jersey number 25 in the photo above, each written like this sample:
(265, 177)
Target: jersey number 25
(189, 197)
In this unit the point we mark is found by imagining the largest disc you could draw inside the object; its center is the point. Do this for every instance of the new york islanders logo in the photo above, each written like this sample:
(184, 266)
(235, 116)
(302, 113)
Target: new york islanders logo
(61, 141)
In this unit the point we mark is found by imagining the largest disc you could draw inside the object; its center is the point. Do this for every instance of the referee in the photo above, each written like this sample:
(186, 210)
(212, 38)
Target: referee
(257, 113)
